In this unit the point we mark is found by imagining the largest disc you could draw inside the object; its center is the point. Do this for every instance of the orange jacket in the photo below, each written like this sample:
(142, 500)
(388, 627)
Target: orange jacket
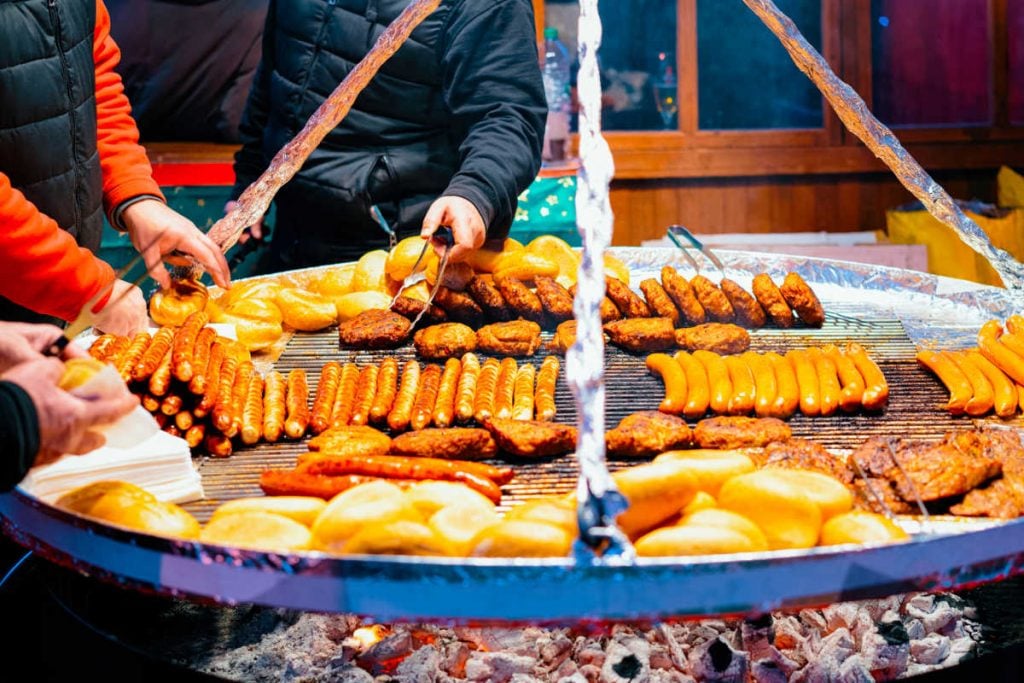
(54, 275)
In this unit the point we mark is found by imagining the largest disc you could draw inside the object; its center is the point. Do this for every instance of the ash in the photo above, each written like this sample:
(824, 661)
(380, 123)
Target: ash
(866, 641)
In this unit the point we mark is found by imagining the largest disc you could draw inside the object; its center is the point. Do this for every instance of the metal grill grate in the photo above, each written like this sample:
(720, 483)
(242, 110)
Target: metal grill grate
(915, 404)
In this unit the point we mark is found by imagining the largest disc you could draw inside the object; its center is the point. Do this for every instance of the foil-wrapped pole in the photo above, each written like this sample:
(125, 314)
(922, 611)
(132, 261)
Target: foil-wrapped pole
(859, 120)
(255, 200)
(598, 500)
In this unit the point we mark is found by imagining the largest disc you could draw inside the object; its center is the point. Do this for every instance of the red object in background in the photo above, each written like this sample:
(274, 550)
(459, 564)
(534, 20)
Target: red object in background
(932, 61)
(174, 174)
(1015, 35)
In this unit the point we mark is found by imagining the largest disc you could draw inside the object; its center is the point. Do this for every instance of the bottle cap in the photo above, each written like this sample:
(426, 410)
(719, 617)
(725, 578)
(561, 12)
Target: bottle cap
(551, 33)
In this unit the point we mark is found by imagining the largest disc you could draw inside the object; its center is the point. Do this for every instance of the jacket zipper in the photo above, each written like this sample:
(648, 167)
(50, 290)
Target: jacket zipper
(66, 72)
(312, 61)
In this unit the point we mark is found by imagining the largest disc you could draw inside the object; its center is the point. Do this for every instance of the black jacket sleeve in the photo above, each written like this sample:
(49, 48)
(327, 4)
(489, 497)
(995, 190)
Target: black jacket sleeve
(19, 432)
(493, 86)
(249, 159)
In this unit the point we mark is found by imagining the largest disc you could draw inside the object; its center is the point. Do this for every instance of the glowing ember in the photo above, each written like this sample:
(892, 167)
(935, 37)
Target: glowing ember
(369, 635)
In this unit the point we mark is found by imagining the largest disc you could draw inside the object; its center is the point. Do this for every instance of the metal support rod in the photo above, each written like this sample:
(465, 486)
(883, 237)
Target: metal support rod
(858, 119)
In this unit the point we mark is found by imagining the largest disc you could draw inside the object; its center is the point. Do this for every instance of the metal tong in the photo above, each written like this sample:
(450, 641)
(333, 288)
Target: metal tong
(877, 497)
(443, 236)
(684, 239)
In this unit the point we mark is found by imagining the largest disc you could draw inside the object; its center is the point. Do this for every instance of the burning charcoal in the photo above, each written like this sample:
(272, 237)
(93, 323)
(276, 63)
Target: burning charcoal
(554, 651)
(498, 667)
(888, 651)
(756, 637)
(716, 660)
(575, 678)
(628, 660)
(841, 615)
(422, 666)
(591, 656)
(814, 619)
(915, 629)
(381, 656)
(931, 649)
(767, 671)
(836, 647)
(349, 673)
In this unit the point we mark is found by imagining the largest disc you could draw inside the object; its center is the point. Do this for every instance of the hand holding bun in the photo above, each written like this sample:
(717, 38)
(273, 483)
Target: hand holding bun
(171, 306)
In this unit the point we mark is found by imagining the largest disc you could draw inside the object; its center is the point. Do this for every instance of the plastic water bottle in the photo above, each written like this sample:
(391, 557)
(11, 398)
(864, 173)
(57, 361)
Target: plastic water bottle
(556, 70)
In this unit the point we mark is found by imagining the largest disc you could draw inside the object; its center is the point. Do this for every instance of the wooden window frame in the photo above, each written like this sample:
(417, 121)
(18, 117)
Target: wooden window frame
(846, 44)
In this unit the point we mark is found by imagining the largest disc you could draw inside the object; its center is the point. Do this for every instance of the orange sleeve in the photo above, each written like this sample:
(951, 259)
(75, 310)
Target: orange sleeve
(55, 276)
(126, 170)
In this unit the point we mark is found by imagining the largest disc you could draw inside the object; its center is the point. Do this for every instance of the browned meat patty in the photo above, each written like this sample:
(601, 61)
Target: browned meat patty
(748, 312)
(530, 438)
(659, 301)
(486, 294)
(460, 307)
(716, 304)
(523, 302)
(515, 338)
(446, 340)
(722, 338)
(800, 454)
(353, 440)
(625, 299)
(454, 443)
(375, 329)
(802, 299)
(609, 311)
(410, 308)
(772, 301)
(683, 295)
(565, 336)
(642, 335)
(646, 434)
(554, 298)
(739, 432)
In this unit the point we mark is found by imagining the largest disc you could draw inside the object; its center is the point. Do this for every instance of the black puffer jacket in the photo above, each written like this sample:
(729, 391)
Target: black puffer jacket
(458, 110)
(48, 118)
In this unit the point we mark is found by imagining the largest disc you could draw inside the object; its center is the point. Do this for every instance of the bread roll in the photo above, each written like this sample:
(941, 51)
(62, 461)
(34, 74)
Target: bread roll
(485, 260)
(559, 512)
(262, 288)
(788, 517)
(170, 307)
(656, 492)
(828, 492)
(302, 509)
(128, 505)
(430, 496)
(334, 281)
(859, 526)
(458, 524)
(255, 335)
(350, 305)
(399, 261)
(351, 510)
(725, 519)
(258, 531)
(693, 540)
(306, 311)
(370, 275)
(711, 467)
(521, 538)
(397, 537)
(264, 310)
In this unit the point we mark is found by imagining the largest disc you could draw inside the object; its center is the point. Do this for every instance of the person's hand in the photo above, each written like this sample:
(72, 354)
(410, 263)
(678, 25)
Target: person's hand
(122, 315)
(465, 221)
(21, 342)
(66, 421)
(254, 231)
(156, 229)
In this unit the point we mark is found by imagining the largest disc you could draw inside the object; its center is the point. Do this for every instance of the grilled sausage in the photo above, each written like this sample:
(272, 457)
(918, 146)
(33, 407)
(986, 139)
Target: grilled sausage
(743, 398)
(160, 379)
(807, 382)
(683, 295)
(252, 412)
(127, 362)
(547, 378)
(852, 382)
(297, 402)
(718, 380)
(387, 387)
(674, 378)
(201, 360)
(150, 402)
(366, 391)
(426, 397)
(466, 390)
(1004, 393)
(522, 398)
(504, 392)
(698, 394)
(876, 389)
(345, 398)
(982, 393)
(171, 405)
(960, 389)
(486, 387)
(766, 388)
(997, 352)
(223, 417)
(184, 346)
(401, 411)
(195, 435)
(218, 353)
(101, 346)
(239, 392)
(184, 420)
(218, 445)
(444, 406)
(150, 359)
(274, 406)
(117, 349)
(326, 390)
(787, 398)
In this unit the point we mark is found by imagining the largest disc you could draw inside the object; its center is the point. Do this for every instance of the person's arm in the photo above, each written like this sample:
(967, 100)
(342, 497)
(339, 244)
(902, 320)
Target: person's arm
(249, 160)
(127, 175)
(41, 254)
(493, 86)
(19, 432)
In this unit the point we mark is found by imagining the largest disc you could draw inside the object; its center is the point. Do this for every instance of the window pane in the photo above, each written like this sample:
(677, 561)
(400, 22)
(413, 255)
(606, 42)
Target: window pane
(1015, 22)
(931, 62)
(637, 59)
(745, 78)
